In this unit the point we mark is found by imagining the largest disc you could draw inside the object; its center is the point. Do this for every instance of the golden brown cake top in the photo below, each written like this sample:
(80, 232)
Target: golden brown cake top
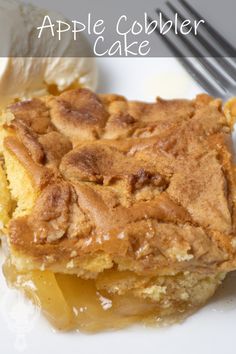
(148, 187)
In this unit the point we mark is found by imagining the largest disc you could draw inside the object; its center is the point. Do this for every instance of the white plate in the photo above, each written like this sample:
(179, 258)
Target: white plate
(210, 330)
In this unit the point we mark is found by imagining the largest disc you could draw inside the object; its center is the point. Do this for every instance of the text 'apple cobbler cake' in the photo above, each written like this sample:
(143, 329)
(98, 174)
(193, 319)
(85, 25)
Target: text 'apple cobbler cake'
(114, 211)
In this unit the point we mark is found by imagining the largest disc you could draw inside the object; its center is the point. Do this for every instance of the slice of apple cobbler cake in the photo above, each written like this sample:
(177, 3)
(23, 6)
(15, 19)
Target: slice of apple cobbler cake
(117, 211)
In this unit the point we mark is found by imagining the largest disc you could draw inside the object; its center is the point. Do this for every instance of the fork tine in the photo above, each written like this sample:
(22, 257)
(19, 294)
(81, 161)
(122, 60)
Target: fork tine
(215, 34)
(228, 67)
(196, 74)
(221, 80)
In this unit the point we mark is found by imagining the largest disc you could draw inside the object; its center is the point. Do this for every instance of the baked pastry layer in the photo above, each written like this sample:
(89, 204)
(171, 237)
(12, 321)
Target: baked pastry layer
(101, 184)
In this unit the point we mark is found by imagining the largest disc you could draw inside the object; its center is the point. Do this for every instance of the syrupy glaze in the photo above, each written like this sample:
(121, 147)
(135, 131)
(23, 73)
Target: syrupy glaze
(69, 302)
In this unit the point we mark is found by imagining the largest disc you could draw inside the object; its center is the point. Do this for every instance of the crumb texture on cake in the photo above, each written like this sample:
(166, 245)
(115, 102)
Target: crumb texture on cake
(101, 182)
(5, 201)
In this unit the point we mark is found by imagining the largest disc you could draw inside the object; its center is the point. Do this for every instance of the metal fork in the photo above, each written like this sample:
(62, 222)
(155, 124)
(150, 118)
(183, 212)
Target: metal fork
(219, 75)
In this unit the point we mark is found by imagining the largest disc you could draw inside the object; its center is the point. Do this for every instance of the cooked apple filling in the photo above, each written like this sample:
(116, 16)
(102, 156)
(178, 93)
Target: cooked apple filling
(117, 212)
(114, 299)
